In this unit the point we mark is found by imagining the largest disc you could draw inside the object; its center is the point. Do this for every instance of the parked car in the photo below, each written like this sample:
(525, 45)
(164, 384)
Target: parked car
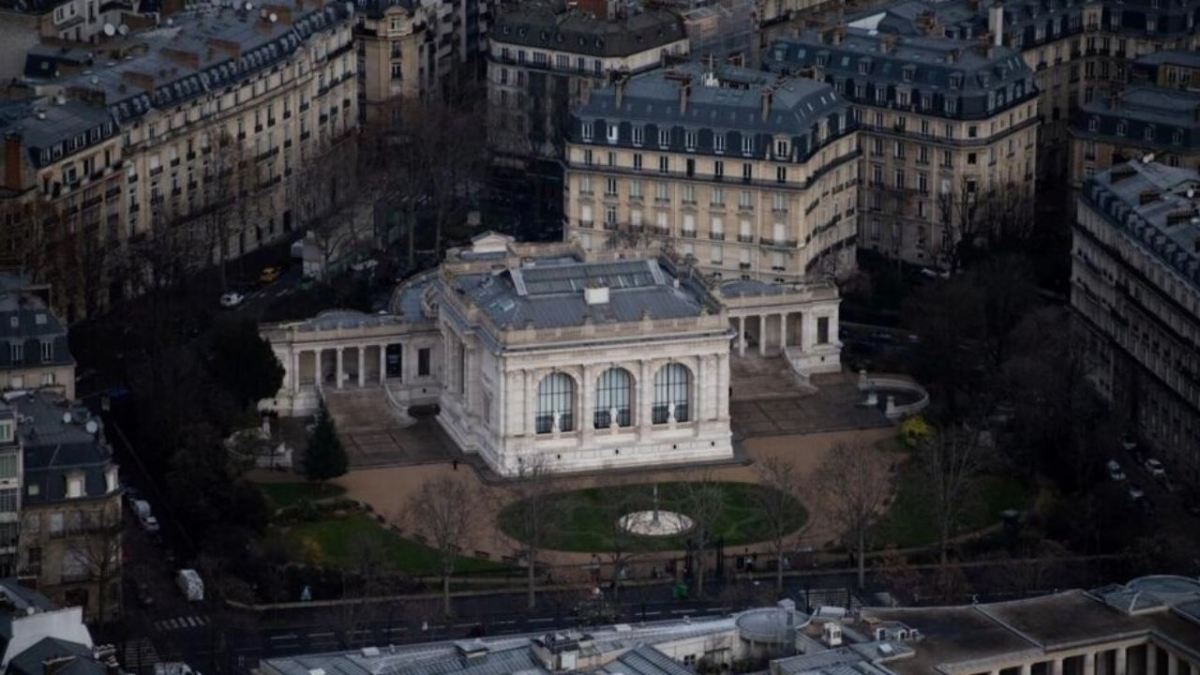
(1135, 492)
(232, 299)
(141, 509)
(190, 585)
(269, 275)
(1156, 468)
(1114, 470)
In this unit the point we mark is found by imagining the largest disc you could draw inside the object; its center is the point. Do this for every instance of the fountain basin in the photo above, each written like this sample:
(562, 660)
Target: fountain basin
(655, 523)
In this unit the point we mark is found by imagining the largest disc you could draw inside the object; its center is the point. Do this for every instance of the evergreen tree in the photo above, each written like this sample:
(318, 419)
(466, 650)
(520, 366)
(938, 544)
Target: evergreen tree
(326, 457)
(245, 363)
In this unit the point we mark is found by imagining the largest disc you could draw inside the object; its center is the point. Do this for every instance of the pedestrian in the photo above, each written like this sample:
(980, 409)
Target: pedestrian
(455, 464)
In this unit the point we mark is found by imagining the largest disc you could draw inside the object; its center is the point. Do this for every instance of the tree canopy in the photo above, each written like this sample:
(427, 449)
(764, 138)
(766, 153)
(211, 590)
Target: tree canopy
(244, 362)
(326, 458)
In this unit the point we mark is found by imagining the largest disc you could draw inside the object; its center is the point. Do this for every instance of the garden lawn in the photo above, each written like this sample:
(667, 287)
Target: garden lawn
(334, 541)
(283, 495)
(585, 520)
(911, 521)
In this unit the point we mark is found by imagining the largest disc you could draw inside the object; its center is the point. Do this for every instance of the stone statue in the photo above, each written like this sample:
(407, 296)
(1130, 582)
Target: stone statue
(555, 423)
(612, 418)
(671, 412)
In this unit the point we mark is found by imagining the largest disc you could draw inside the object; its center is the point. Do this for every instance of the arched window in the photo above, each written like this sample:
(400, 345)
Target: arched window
(614, 391)
(556, 398)
(672, 384)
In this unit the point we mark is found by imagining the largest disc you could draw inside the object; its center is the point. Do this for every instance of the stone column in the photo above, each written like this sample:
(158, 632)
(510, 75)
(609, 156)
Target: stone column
(762, 334)
(1089, 663)
(783, 332)
(645, 419)
(1172, 664)
(362, 366)
(699, 382)
(1026, 668)
(722, 386)
(1121, 662)
(1151, 659)
(319, 374)
(587, 402)
(741, 336)
(383, 363)
(809, 333)
(1056, 667)
(296, 371)
(340, 365)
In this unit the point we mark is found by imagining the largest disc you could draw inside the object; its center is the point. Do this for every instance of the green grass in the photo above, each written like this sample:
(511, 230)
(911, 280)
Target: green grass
(583, 520)
(282, 495)
(911, 521)
(338, 541)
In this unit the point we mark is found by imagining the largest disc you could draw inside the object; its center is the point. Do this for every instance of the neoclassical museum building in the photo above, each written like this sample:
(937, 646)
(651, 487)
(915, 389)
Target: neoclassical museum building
(573, 359)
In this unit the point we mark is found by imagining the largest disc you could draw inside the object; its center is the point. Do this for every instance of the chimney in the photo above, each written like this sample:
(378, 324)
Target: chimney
(767, 95)
(685, 90)
(952, 56)
(996, 24)
(12, 162)
(887, 44)
(142, 80)
(619, 88)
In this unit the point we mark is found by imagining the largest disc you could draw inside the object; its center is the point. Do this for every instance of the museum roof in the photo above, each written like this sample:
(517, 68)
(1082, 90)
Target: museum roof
(1175, 57)
(550, 293)
(1156, 206)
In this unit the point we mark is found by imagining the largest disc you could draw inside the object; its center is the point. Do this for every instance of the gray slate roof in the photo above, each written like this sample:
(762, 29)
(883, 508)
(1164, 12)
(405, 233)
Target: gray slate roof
(1153, 117)
(726, 101)
(550, 294)
(1166, 226)
(45, 125)
(25, 319)
(31, 661)
(540, 26)
(53, 448)
(979, 83)
(645, 660)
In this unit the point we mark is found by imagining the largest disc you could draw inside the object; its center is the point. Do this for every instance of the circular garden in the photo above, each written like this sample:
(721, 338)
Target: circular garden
(588, 520)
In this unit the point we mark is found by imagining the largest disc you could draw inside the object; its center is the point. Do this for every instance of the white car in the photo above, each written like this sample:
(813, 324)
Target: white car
(232, 299)
(1114, 470)
(1156, 468)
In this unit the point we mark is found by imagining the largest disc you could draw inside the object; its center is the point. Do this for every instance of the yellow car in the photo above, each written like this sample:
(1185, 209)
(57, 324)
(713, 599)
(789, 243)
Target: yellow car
(269, 275)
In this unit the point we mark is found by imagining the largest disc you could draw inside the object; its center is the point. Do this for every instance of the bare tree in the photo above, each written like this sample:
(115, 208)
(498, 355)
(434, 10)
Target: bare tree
(704, 503)
(97, 550)
(778, 506)
(531, 490)
(362, 585)
(227, 209)
(970, 220)
(857, 483)
(443, 513)
(622, 543)
(950, 461)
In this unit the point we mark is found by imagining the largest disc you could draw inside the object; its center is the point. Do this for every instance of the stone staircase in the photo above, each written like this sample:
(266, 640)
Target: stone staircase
(365, 410)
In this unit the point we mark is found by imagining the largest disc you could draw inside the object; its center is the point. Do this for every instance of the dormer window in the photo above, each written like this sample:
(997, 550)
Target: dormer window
(1121, 128)
(956, 80)
(16, 352)
(639, 135)
(719, 143)
(613, 133)
(1094, 124)
(75, 486)
(907, 73)
(747, 146)
(1177, 137)
(1148, 132)
(781, 149)
(822, 59)
(689, 140)
(585, 132)
(664, 138)
(864, 67)
(47, 351)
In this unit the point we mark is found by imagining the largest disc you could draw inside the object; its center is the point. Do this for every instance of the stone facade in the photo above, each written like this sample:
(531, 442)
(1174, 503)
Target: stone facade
(751, 174)
(947, 128)
(202, 144)
(549, 355)
(1136, 283)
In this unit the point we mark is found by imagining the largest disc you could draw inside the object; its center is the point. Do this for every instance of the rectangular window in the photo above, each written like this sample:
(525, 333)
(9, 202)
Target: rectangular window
(718, 170)
(585, 131)
(747, 172)
(8, 465)
(747, 145)
(664, 138)
(689, 140)
(16, 352)
(718, 197)
(822, 330)
(639, 134)
(423, 362)
(610, 187)
(718, 142)
(664, 164)
(635, 189)
(781, 174)
(637, 162)
(8, 500)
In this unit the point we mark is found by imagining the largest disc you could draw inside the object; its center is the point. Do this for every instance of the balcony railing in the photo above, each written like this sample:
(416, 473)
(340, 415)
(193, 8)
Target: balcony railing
(746, 238)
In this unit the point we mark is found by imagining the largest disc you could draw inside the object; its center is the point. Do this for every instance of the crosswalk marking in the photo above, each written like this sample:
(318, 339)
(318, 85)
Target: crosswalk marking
(181, 622)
